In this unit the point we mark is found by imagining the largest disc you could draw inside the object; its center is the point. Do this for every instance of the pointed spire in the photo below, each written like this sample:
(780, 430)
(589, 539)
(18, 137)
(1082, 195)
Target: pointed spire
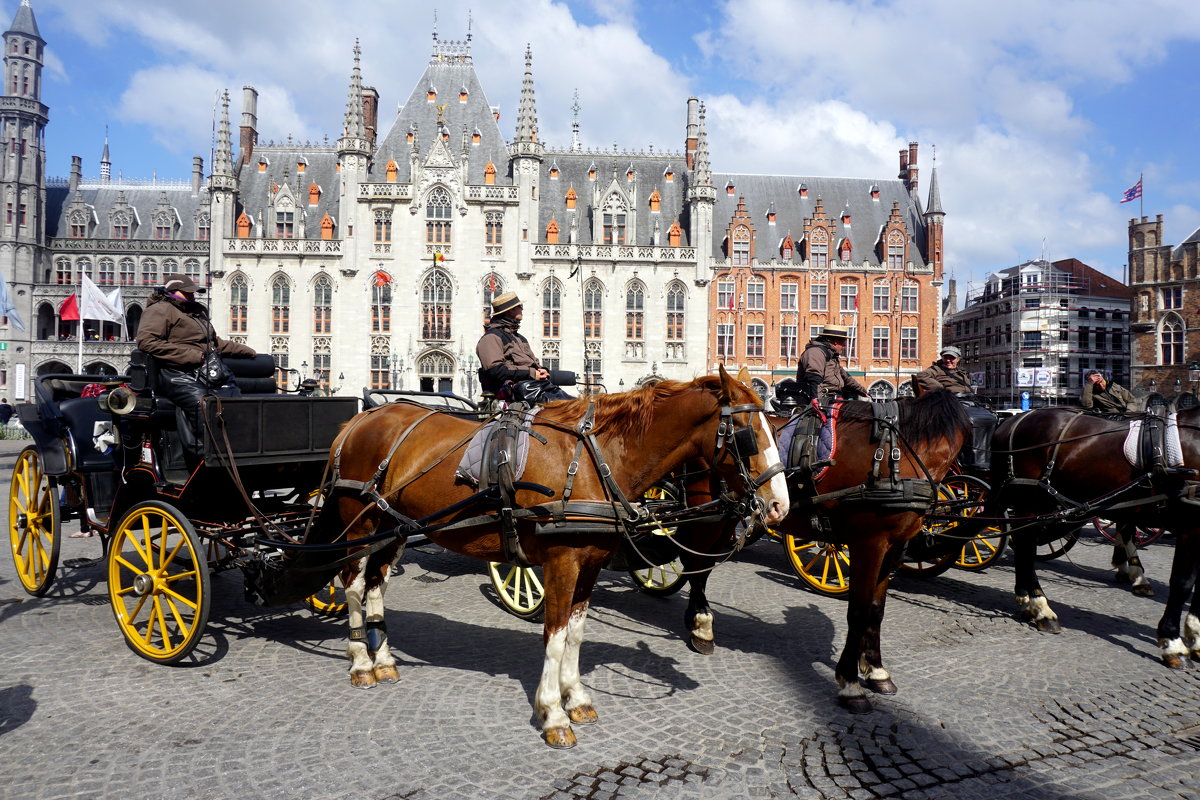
(934, 206)
(24, 22)
(223, 158)
(527, 112)
(354, 127)
(105, 161)
(575, 145)
(703, 176)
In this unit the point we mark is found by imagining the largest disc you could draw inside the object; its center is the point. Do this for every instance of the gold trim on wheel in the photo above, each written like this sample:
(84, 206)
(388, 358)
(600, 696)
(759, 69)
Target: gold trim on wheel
(519, 588)
(824, 566)
(158, 582)
(661, 579)
(330, 601)
(34, 523)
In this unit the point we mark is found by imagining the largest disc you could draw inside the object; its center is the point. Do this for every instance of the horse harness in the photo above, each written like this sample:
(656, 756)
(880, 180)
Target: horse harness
(498, 485)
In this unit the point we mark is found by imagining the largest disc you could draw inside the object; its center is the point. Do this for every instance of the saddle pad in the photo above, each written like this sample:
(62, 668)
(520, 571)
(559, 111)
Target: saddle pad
(826, 439)
(471, 465)
(1171, 443)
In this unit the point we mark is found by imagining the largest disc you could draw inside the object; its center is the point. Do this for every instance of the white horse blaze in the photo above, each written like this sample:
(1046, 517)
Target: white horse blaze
(778, 483)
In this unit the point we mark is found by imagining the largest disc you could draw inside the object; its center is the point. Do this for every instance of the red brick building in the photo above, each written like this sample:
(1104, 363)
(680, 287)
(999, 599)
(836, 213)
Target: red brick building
(1165, 325)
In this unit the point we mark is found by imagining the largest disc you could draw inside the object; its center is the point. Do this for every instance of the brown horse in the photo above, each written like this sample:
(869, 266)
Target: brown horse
(932, 429)
(640, 436)
(1057, 459)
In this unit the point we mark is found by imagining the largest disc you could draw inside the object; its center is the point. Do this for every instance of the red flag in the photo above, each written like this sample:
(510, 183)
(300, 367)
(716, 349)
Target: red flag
(382, 278)
(438, 258)
(69, 308)
(731, 296)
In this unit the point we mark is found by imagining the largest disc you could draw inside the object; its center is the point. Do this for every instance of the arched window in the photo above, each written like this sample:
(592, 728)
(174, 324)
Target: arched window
(191, 268)
(281, 304)
(551, 308)
(437, 217)
(45, 321)
(436, 372)
(120, 225)
(741, 246)
(593, 309)
(64, 273)
(381, 303)
(1170, 339)
(239, 299)
(613, 218)
(383, 225)
(322, 305)
(149, 272)
(203, 227)
(108, 273)
(895, 250)
(881, 390)
(436, 295)
(635, 311)
(494, 233)
(676, 307)
(493, 285)
(818, 249)
(128, 272)
(133, 319)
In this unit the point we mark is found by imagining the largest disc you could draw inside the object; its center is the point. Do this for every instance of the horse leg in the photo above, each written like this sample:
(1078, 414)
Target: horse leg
(1127, 563)
(863, 610)
(362, 673)
(384, 667)
(564, 610)
(575, 697)
(1173, 648)
(1031, 600)
(698, 617)
(870, 664)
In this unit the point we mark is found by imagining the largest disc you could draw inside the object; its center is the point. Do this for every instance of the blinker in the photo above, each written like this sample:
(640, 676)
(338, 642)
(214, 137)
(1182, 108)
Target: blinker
(745, 442)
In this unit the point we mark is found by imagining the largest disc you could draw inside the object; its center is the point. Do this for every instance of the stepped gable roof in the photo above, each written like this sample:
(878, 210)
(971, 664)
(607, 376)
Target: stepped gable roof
(573, 168)
(143, 199)
(255, 189)
(448, 79)
(867, 215)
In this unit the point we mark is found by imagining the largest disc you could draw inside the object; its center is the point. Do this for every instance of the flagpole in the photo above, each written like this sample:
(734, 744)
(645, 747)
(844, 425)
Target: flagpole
(79, 306)
(1141, 196)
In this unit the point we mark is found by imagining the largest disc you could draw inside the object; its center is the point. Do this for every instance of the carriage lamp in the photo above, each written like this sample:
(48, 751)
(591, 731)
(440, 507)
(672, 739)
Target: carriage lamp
(1178, 385)
(1153, 385)
(1194, 374)
(303, 370)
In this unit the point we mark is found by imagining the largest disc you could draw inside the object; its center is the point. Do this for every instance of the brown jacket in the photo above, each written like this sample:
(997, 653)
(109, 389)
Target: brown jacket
(177, 333)
(504, 355)
(821, 366)
(938, 377)
(1112, 399)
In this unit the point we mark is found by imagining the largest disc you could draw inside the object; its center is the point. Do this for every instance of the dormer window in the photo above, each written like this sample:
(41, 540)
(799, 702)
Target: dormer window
(592, 174)
(327, 227)
(655, 200)
(554, 173)
(262, 165)
(462, 95)
(552, 232)
(391, 170)
(787, 249)
(803, 190)
(874, 192)
(301, 165)
(409, 137)
(770, 217)
(729, 188)
(669, 175)
(629, 174)
(489, 174)
(431, 94)
(243, 226)
(571, 197)
(314, 194)
(475, 137)
(674, 234)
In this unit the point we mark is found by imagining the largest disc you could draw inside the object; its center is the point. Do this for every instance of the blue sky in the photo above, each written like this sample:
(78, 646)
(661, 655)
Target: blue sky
(1042, 113)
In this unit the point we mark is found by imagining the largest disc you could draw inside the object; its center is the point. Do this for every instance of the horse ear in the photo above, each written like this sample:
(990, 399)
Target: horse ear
(727, 390)
(744, 376)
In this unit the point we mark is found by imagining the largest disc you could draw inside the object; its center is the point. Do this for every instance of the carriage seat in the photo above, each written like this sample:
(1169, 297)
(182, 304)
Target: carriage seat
(81, 415)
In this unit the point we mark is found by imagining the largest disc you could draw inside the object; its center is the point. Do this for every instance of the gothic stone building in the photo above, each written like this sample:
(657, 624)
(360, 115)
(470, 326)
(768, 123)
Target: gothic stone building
(369, 261)
(1165, 326)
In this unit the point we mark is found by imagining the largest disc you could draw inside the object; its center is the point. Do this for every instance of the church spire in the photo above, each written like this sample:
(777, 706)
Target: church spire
(222, 174)
(703, 176)
(527, 130)
(575, 145)
(934, 206)
(354, 129)
(105, 161)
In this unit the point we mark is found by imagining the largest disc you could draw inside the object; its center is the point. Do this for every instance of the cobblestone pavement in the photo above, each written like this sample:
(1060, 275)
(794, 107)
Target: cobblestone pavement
(988, 707)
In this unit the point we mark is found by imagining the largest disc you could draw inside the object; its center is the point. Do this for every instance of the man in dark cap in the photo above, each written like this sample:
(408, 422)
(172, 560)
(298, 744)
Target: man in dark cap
(505, 356)
(821, 372)
(175, 330)
(1104, 397)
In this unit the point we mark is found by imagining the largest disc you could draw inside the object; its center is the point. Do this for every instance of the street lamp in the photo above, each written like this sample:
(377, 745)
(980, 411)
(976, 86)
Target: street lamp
(1194, 375)
(303, 370)
(392, 382)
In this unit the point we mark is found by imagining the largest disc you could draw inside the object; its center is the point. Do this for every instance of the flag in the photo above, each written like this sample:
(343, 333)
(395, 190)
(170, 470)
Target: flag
(382, 278)
(438, 258)
(1133, 192)
(731, 296)
(69, 309)
(95, 304)
(7, 309)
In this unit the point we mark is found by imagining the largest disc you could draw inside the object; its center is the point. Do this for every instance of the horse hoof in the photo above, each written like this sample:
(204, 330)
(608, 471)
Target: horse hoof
(704, 647)
(1048, 625)
(1173, 661)
(583, 715)
(884, 686)
(1144, 590)
(855, 705)
(559, 738)
(387, 674)
(363, 679)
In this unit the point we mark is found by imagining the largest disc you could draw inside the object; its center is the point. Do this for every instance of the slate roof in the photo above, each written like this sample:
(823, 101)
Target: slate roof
(257, 188)
(649, 175)
(447, 79)
(867, 215)
(142, 199)
(1177, 253)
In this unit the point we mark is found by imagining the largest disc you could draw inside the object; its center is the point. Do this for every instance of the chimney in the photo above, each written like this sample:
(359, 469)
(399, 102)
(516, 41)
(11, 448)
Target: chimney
(903, 165)
(76, 172)
(370, 112)
(197, 174)
(911, 179)
(249, 130)
(693, 130)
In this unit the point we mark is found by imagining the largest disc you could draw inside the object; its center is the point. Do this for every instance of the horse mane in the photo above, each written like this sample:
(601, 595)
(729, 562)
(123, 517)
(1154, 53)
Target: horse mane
(628, 413)
(924, 420)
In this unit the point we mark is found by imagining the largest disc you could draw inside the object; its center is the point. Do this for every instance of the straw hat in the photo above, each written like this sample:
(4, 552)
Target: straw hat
(505, 302)
(835, 332)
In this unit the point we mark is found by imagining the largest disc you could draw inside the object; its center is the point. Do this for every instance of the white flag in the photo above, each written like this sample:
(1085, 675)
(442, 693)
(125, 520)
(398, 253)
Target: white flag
(7, 309)
(95, 304)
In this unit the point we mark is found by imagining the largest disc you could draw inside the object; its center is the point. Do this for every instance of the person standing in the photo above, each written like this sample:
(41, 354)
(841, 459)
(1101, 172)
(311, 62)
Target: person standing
(1105, 397)
(6, 411)
(175, 330)
(821, 373)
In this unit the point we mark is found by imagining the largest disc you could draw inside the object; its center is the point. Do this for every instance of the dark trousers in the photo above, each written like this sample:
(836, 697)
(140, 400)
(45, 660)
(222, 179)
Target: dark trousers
(185, 390)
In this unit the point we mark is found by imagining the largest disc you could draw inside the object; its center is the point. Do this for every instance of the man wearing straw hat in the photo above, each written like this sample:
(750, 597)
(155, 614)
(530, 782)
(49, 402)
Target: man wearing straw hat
(821, 372)
(505, 357)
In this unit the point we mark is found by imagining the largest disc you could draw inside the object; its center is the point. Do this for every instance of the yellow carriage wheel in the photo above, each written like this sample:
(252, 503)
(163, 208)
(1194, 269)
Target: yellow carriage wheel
(823, 566)
(158, 582)
(660, 580)
(519, 588)
(34, 523)
(330, 601)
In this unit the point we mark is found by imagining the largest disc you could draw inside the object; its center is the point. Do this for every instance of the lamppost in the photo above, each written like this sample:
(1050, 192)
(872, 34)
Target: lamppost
(392, 382)
(1194, 374)
(303, 370)
(341, 382)
(472, 365)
